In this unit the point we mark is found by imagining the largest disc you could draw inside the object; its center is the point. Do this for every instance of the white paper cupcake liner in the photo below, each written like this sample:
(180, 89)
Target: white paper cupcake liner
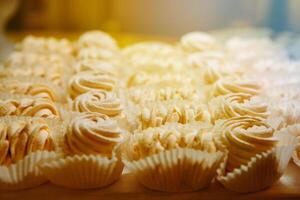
(25, 173)
(177, 170)
(261, 171)
(82, 171)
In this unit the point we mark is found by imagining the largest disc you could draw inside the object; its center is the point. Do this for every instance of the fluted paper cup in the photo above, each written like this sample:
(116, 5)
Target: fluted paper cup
(25, 173)
(82, 171)
(176, 170)
(261, 171)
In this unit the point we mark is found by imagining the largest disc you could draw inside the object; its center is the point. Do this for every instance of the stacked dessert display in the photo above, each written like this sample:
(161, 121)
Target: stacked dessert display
(177, 116)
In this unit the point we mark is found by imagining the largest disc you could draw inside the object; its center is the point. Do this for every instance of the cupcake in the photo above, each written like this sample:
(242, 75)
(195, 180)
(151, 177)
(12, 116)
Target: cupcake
(27, 106)
(96, 66)
(104, 102)
(154, 114)
(198, 42)
(232, 85)
(162, 80)
(31, 86)
(24, 142)
(90, 153)
(46, 45)
(95, 53)
(84, 82)
(97, 39)
(153, 56)
(173, 157)
(236, 105)
(256, 157)
(141, 95)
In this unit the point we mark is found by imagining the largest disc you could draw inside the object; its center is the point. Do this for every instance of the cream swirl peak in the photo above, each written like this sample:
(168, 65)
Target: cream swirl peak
(154, 114)
(231, 85)
(33, 107)
(21, 137)
(165, 79)
(98, 101)
(170, 136)
(85, 82)
(93, 133)
(15, 86)
(143, 94)
(97, 39)
(46, 45)
(244, 137)
(198, 42)
(235, 105)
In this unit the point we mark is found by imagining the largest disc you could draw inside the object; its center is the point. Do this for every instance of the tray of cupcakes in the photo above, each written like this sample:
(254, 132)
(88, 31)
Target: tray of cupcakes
(176, 116)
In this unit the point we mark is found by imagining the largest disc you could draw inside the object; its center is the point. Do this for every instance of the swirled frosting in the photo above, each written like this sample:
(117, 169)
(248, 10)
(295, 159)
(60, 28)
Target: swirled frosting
(95, 53)
(97, 39)
(170, 136)
(244, 137)
(98, 101)
(227, 85)
(155, 114)
(198, 42)
(236, 105)
(33, 107)
(140, 95)
(19, 138)
(46, 45)
(31, 89)
(85, 82)
(96, 65)
(165, 80)
(93, 133)
(153, 56)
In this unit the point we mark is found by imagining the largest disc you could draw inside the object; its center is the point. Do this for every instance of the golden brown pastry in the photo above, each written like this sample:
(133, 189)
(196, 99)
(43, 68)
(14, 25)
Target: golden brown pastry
(236, 105)
(21, 137)
(85, 82)
(93, 133)
(98, 101)
(244, 137)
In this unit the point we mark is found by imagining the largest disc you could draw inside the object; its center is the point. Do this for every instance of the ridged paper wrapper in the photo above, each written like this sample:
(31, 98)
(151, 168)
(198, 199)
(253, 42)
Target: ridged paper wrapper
(82, 171)
(176, 170)
(262, 170)
(25, 173)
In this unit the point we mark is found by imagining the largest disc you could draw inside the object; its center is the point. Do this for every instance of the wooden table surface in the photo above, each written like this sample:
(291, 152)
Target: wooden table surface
(288, 187)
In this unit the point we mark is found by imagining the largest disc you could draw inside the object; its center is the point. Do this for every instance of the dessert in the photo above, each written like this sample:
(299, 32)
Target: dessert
(33, 107)
(236, 105)
(24, 142)
(173, 157)
(256, 156)
(85, 82)
(90, 157)
(98, 101)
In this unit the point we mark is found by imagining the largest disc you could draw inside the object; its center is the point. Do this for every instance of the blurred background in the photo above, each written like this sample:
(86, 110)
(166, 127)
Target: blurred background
(151, 17)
